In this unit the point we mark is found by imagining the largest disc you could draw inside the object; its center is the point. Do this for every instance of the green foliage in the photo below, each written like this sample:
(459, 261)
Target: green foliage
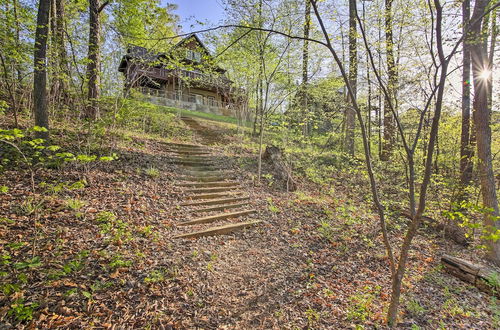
(494, 307)
(116, 229)
(3, 107)
(270, 178)
(30, 206)
(75, 204)
(34, 262)
(146, 231)
(5, 259)
(465, 214)
(22, 311)
(155, 276)
(62, 186)
(20, 148)
(326, 230)
(415, 307)
(76, 264)
(313, 316)
(361, 304)
(137, 114)
(271, 206)
(152, 172)
(118, 261)
(146, 23)
(494, 281)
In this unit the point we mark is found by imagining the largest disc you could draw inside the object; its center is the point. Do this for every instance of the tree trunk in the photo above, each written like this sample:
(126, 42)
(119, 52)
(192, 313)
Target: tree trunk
(305, 64)
(368, 80)
(280, 170)
(350, 116)
(389, 128)
(482, 119)
(466, 150)
(93, 81)
(494, 35)
(18, 43)
(62, 58)
(40, 68)
(397, 279)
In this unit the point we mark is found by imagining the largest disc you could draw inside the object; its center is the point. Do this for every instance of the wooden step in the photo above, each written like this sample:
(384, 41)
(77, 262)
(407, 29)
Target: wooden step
(188, 149)
(184, 145)
(220, 208)
(216, 217)
(209, 184)
(221, 230)
(213, 195)
(195, 163)
(190, 157)
(211, 189)
(216, 201)
(195, 160)
(190, 152)
(202, 179)
(203, 167)
(202, 173)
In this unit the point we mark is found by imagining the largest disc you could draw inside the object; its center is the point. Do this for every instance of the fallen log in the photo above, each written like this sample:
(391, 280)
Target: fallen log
(484, 278)
(273, 155)
(453, 232)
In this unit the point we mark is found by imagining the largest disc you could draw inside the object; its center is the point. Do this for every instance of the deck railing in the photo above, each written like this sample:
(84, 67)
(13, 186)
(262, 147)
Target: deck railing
(189, 98)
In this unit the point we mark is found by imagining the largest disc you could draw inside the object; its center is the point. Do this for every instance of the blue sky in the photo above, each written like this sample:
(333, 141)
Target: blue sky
(209, 12)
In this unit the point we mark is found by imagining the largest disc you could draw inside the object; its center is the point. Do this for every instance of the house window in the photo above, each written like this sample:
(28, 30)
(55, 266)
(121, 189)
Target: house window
(198, 98)
(211, 101)
(193, 55)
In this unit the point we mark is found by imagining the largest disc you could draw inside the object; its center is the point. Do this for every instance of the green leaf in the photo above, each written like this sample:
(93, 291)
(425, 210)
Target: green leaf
(53, 148)
(30, 263)
(86, 158)
(39, 129)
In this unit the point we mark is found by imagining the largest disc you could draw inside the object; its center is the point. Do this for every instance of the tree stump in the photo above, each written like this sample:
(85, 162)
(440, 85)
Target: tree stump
(484, 278)
(273, 155)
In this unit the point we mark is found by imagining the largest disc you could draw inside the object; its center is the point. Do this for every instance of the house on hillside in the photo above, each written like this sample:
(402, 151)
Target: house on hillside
(186, 76)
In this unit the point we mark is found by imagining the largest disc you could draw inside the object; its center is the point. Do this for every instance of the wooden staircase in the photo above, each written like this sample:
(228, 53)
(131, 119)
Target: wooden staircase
(216, 202)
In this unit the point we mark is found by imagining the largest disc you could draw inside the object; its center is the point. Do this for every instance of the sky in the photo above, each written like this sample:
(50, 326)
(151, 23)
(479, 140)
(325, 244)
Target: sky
(192, 12)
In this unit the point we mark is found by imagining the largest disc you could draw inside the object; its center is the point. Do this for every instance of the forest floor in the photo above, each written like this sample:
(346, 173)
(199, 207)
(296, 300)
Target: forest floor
(93, 248)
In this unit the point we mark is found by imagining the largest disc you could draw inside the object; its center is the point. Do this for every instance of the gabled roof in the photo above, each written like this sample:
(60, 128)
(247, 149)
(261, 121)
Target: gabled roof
(144, 54)
(188, 38)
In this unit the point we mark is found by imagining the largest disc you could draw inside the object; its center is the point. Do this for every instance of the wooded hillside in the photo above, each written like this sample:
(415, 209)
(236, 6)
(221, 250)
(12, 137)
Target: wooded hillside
(362, 151)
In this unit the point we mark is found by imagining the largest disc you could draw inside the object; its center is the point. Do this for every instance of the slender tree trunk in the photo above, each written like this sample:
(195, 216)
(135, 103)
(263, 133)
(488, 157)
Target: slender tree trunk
(380, 94)
(305, 65)
(18, 40)
(40, 67)
(256, 118)
(389, 128)
(494, 35)
(350, 115)
(482, 120)
(94, 53)
(368, 80)
(466, 150)
(261, 141)
(62, 59)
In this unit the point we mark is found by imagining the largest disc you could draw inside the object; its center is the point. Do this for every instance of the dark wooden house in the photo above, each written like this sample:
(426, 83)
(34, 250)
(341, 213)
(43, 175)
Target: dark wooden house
(186, 76)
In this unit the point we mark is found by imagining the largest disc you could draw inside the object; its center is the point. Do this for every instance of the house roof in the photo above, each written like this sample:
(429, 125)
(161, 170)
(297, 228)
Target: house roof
(189, 37)
(143, 54)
